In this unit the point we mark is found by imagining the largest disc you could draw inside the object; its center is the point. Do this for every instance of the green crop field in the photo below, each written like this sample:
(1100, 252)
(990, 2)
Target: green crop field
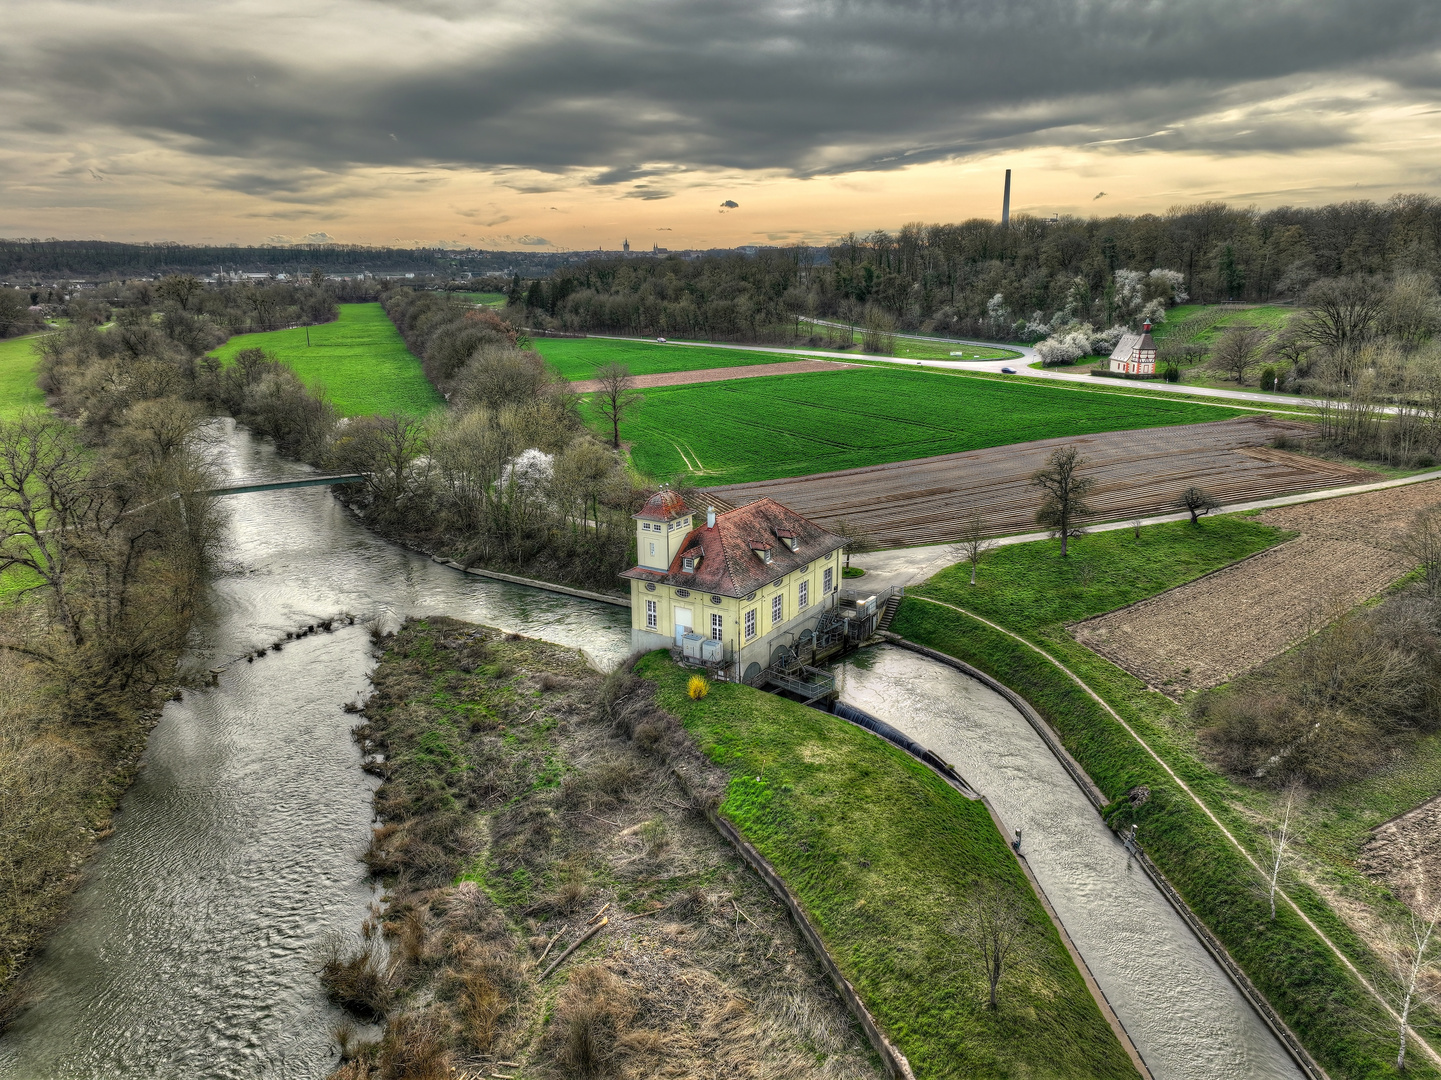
(793, 425)
(17, 375)
(578, 358)
(359, 360)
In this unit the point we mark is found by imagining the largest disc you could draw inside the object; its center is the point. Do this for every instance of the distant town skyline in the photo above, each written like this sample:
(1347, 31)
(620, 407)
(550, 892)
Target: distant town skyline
(693, 124)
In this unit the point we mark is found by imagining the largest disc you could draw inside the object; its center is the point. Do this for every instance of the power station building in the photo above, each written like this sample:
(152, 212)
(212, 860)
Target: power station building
(733, 591)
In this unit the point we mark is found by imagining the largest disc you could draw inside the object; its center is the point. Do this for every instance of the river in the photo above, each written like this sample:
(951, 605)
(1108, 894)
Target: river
(1185, 1016)
(189, 950)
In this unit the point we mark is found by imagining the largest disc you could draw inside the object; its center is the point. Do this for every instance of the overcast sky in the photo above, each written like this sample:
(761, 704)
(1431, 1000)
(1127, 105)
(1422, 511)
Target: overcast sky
(576, 124)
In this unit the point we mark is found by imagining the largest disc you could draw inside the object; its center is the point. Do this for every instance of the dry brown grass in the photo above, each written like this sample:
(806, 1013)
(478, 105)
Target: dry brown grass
(712, 980)
(355, 978)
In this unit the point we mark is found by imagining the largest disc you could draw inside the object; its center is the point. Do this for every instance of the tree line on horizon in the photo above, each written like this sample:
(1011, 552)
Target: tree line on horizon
(982, 279)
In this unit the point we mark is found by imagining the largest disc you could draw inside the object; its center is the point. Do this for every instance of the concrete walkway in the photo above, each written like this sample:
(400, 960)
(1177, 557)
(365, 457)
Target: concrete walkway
(913, 565)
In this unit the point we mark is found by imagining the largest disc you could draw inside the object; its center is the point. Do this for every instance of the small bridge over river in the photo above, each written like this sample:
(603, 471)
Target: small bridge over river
(281, 485)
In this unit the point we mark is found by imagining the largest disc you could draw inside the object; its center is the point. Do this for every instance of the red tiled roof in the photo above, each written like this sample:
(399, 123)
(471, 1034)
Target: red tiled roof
(663, 506)
(729, 565)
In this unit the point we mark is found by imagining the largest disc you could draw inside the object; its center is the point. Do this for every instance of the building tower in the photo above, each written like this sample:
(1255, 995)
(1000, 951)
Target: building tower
(1006, 201)
(625, 246)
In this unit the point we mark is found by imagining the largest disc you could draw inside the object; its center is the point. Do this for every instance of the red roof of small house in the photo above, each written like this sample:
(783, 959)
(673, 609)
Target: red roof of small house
(664, 505)
(732, 553)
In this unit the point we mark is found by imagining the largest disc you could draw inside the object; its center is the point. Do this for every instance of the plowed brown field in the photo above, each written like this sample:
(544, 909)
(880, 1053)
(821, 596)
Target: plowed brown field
(1137, 473)
(1205, 633)
(720, 374)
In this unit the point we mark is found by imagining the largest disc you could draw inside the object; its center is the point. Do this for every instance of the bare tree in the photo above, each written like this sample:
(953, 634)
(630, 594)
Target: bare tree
(1064, 501)
(974, 542)
(1281, 839)
(1421, 542)
(858, 538)
(1417, 949)
(992, 926)
(1238, 351)
(1342, 312)
(1196, 502)
(616, 396)
(1412, 312)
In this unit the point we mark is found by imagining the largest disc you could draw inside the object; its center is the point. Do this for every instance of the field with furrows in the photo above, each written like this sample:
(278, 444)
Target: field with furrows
(1207, 632)
(1138, 473)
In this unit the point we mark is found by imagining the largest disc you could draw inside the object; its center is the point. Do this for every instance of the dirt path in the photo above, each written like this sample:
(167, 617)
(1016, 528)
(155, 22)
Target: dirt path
(681, 378)
(1205, 633)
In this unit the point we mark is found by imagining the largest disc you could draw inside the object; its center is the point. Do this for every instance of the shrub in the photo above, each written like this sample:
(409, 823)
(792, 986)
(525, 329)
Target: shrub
(355, 981)
(698, 687)
(1268, 378)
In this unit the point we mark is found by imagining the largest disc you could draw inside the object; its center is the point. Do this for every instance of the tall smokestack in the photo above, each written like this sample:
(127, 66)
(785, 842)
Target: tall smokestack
(1006, 202)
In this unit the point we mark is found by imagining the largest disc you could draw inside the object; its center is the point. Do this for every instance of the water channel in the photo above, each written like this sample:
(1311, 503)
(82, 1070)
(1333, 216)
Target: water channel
(1187, 1019)
(190, 946)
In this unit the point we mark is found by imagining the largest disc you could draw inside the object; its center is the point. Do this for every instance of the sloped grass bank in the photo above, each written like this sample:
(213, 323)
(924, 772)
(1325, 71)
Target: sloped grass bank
(580, 358)
(881, 852)
(1029, 590)
(359, 360)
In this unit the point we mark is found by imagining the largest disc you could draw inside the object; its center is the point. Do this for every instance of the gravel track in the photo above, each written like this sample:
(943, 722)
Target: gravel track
(680, 378)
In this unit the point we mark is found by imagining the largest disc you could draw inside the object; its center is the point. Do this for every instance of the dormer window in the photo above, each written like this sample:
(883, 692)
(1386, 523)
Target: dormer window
(690, 560)
(762, 551)
(788, 538)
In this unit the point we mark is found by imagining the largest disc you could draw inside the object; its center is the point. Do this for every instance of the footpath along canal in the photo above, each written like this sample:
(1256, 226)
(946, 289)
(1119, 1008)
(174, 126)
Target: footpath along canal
(190, 946)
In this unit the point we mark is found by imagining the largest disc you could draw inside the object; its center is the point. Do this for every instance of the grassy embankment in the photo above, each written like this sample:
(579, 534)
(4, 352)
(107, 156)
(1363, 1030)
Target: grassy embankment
(489, 299)
(1031, 591)
(794, 425)
(359, 360)
(880, 852)
(579, 358)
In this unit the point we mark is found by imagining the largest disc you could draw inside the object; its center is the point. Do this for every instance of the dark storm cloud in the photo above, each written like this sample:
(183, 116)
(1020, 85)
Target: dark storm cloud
(802, 87)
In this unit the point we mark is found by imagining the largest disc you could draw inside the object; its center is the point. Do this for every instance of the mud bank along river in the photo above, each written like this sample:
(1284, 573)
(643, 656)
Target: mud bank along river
(189, 950)
(1187, 1019)
(190, 946)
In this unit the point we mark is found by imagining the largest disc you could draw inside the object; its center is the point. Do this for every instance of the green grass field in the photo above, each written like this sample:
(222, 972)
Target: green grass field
(579, 358)
(1031, 591)
(793, 425)
(359, 360)
(17, 376)
(878, 849)
(489, 299)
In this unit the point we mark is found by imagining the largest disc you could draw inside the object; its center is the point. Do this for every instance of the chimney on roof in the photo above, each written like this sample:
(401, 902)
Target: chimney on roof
(710, 517)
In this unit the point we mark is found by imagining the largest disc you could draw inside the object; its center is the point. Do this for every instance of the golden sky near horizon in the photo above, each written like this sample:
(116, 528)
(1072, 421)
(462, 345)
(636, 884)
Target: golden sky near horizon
(578, 125)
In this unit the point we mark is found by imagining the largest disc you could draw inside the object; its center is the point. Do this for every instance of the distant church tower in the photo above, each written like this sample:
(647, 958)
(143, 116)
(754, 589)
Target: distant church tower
(625, 246)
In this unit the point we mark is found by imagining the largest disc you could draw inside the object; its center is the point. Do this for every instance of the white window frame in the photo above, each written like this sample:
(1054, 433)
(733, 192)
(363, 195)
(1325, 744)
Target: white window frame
(803, 595)
(750, 623)
(828, 580)
(717, 626)
(652, 615)
(778, 609)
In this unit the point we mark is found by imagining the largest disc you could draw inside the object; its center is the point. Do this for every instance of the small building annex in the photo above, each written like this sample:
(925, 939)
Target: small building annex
(1135, 354)
(749, 579)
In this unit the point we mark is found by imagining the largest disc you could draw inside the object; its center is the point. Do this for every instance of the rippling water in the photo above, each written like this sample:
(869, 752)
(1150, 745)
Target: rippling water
(189, 949)
(1185, 1016)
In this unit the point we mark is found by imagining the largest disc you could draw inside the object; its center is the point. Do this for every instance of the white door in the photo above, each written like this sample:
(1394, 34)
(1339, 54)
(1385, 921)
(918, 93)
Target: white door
(683, 620)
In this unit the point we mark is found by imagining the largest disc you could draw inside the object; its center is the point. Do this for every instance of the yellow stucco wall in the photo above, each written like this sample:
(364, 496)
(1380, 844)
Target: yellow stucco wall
(703, 605)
